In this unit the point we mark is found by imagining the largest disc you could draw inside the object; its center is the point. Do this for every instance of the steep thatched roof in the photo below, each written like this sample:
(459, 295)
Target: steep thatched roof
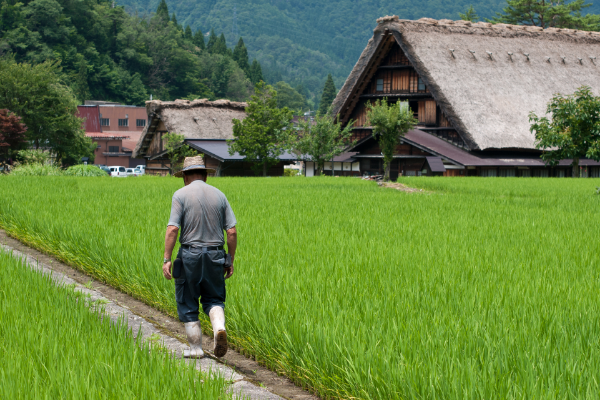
(486, 78)
(198, 119)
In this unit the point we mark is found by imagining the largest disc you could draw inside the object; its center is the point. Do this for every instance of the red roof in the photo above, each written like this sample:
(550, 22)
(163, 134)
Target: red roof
(129, 144)
(91, 116)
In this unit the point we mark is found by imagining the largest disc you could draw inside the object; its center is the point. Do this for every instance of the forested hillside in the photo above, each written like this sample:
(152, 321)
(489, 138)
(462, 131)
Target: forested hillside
(301, 41)
(106, 54)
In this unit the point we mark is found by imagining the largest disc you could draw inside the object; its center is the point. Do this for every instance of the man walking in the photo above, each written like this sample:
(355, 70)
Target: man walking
(202, 212)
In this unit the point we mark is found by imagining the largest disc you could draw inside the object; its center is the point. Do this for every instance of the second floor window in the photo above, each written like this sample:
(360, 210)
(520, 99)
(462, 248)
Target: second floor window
(421, 86)
(124, 122)
(140, 122)
(113, 149)
(104, 122)
(380, 85)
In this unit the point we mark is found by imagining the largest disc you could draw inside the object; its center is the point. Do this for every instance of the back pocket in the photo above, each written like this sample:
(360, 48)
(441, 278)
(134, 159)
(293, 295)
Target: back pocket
(179, 288)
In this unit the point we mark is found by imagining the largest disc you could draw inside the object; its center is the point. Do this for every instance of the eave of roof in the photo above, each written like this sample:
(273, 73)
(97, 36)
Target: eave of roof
(219, 150)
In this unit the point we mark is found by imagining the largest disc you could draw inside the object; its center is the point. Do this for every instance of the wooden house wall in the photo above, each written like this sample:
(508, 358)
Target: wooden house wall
(396, 57)
(396, 81)
(426, 113)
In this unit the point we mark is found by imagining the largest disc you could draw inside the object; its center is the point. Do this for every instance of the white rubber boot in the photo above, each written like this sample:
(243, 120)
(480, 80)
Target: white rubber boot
(217, 319)
(194, 335)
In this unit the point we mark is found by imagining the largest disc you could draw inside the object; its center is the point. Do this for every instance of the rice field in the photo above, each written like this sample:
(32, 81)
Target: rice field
(477, 288)
(52, 346)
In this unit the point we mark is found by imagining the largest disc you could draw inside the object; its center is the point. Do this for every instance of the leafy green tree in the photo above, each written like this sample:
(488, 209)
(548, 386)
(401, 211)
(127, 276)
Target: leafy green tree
(329, 93)
(469, 15)
(390, 123)
(240, 56)
(162, 11)
(177, 150)
(263, 136)
(574, 130)
(548, 14)
(199, 39)
(323, 139)
(256, 75)
(289, 97)
(47, 107)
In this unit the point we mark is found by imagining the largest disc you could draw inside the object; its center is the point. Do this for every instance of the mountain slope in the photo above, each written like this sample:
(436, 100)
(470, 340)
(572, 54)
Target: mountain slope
(302, 41)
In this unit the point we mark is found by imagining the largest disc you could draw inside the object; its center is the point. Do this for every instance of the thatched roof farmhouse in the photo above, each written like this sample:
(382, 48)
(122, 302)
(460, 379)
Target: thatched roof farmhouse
(206, 126)
(472, 87)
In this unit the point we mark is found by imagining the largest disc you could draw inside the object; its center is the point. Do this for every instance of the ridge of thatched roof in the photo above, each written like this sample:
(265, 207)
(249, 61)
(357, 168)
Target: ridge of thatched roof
(197, 119)
(485, 77)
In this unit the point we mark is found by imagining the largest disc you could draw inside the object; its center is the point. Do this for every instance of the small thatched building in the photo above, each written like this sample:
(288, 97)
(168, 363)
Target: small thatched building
(472, 87)
(206, 126)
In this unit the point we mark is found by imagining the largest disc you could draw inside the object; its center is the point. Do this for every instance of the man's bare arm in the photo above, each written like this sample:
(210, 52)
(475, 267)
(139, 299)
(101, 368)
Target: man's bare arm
(231, 246)
(170, 240)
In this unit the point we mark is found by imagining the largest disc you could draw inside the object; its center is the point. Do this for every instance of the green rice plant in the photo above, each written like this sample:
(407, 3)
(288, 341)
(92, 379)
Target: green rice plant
(481, 289)
(36, 170)
(84, 170)
(52, 346)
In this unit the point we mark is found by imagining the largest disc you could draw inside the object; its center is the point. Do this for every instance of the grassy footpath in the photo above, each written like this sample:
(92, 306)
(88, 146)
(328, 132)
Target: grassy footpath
(52, 346)
(487, 288)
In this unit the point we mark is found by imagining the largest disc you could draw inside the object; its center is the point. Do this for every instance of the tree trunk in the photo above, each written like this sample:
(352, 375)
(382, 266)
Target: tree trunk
(264, 168)
(575, 168)
(386, 170)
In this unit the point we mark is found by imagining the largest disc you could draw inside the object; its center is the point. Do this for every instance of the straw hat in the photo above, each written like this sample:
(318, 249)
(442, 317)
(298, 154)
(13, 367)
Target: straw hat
(192, 163)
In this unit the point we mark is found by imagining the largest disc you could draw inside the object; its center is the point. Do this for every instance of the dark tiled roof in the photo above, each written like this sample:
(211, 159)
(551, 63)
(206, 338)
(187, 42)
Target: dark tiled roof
(436, 164)
(219, 149)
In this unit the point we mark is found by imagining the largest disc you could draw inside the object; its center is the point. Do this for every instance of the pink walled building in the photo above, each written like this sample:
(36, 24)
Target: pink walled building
(116, 129)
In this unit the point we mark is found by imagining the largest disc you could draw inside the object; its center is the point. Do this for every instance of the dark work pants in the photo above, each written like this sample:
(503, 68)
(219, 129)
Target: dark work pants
(202, 279)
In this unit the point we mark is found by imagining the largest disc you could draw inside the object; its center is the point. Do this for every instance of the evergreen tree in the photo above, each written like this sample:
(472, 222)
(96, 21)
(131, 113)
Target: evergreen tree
(212, 41)
(81, 88)
(240, 56)
(136, 93)
(163, 11)
(548, 14)
(174, 20)
(187, 34)
(255, 72)
(199, 40)
(469, 15)
(329, 93)
(220, 46)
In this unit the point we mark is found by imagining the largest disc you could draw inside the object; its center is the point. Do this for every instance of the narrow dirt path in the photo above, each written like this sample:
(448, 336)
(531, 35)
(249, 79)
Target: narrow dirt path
(247, 376)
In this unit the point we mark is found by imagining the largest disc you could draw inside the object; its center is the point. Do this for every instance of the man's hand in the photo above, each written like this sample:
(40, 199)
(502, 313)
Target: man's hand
(167, 270)
(231, 246)
(229, 270)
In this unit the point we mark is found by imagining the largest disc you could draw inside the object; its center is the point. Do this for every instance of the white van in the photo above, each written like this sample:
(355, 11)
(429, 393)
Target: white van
(141, 168)
(118, 171)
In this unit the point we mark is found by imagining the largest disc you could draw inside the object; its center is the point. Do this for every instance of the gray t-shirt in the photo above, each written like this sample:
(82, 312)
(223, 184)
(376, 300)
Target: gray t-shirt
(202, 212)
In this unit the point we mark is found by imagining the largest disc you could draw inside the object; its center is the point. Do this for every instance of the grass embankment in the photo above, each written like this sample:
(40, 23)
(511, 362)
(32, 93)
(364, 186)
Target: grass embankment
(53, 346)
(487, 288)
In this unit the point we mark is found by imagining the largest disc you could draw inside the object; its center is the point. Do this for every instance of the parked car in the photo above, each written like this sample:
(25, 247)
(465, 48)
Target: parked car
(117, 171)
(133, 172)
(104, 168)
(142, 168)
